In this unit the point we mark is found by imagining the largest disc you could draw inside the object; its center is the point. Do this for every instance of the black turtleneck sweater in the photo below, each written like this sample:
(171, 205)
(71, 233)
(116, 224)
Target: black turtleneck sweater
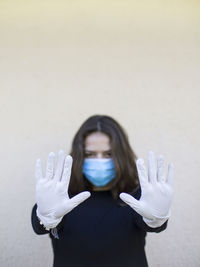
(99, 233)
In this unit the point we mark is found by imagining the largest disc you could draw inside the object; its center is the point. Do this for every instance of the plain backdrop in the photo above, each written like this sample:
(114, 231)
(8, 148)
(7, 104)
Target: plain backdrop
(63, 61)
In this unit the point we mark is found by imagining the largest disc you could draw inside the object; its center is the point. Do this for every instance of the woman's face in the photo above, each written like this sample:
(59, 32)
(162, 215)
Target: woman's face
(97, 145)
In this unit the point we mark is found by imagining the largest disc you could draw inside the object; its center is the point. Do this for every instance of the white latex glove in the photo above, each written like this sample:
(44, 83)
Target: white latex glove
(52, 197)
(156, 191)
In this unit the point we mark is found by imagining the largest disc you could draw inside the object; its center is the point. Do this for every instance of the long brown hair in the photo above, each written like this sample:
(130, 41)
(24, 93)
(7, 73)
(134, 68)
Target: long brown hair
(126, 179)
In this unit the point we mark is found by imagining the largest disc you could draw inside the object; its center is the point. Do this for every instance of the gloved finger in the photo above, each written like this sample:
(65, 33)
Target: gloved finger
(142, 173)
(70, 204)
(50, 166)
(67, 170)
(79, 198)
(38, 170)
(170, 177)
(131, 201)
(151, 167)
(59, 165)
(160, 166)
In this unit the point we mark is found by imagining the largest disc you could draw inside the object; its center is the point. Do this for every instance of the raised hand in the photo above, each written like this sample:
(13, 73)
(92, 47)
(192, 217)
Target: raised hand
(156, 191)
(52, 197)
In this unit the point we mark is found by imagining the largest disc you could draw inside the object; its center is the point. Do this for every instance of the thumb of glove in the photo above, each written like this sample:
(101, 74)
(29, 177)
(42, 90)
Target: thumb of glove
(131, 201)
(69, 204)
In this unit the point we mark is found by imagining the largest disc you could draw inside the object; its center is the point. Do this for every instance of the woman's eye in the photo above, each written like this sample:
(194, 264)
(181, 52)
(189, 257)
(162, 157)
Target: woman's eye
(108, 155)
(88, 155)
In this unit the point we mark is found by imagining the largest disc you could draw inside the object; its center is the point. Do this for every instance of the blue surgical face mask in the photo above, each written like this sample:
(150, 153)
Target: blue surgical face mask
(99, 171)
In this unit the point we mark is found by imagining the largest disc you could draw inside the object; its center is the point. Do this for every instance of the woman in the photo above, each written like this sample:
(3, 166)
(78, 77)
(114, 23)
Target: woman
(97, 212)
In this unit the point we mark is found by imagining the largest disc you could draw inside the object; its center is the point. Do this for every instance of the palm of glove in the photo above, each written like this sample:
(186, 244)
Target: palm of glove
(51, 190)
(156, 191)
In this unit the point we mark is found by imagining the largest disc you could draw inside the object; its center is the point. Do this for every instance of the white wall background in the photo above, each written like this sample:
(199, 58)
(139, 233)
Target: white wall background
(62, 61)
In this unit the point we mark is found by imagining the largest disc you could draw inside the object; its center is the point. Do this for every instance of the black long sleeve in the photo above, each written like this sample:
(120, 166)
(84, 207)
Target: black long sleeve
(37, 227)
(99, 233)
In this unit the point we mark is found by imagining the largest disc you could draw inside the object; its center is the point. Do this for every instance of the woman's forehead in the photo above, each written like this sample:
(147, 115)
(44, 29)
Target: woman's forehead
(97, 141)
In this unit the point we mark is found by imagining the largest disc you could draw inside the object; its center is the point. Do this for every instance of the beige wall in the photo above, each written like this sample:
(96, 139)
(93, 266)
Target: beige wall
(62, 61)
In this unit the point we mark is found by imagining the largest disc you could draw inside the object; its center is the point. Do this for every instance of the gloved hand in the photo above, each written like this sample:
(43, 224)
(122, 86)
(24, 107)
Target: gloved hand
(52, 197)
(154, 204)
